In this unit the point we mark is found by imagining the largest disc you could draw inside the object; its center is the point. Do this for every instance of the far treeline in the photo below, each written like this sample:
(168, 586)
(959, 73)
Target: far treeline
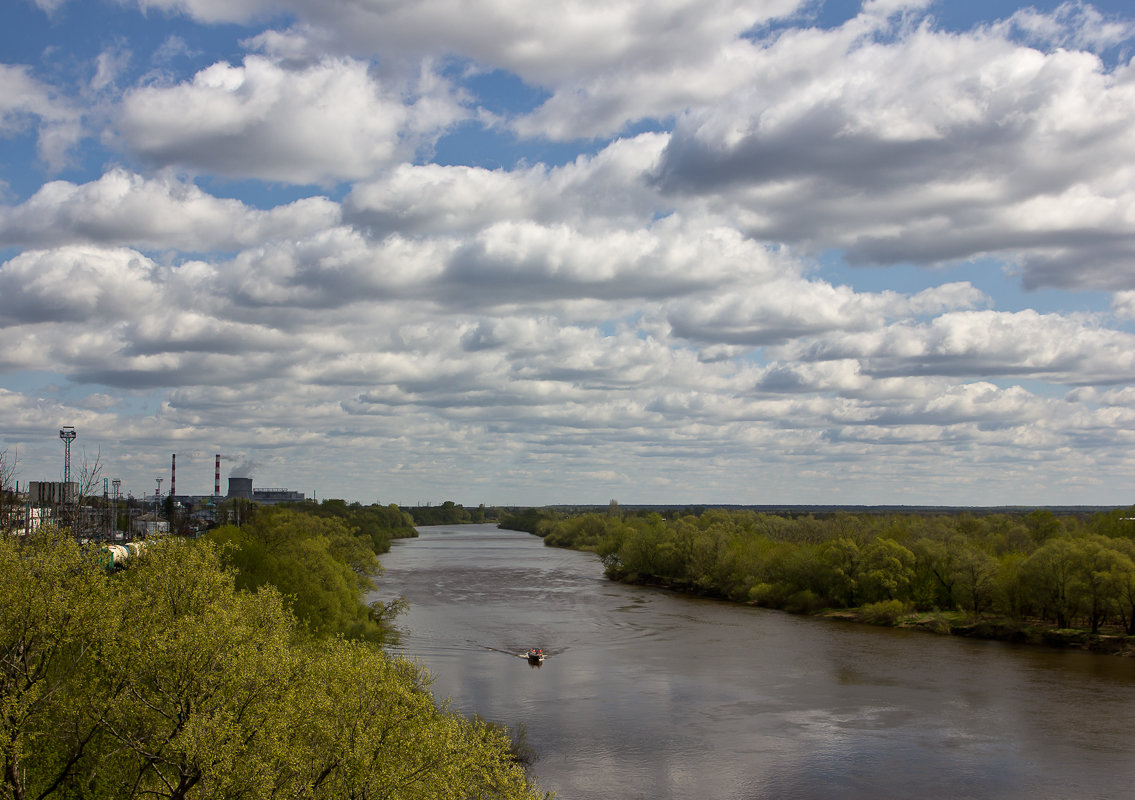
(952, 570)
(450, 513)
(241, 665)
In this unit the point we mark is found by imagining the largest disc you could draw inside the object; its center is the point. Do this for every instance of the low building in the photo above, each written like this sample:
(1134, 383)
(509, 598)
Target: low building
(149, 525)
(52, 493)
(270, 496)
(241, 488)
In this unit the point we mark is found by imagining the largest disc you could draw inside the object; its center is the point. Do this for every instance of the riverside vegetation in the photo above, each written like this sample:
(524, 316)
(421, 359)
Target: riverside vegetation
(244, 665)
(1039, 577)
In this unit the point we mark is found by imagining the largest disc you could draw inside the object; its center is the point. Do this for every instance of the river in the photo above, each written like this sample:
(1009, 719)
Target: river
(650, 694)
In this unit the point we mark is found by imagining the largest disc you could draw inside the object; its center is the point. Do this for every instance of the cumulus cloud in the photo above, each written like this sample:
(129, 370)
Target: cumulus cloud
(524, 262)
(606, 190)
(75, 284)
(161, 212)
(539, 43)
(985, 343)
(605, 63)
(930, 148)
(502, 265)
(786, 309)
(315, 123)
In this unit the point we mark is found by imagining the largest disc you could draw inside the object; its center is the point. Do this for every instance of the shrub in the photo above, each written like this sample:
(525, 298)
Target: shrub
(804, 602)
(885, 612)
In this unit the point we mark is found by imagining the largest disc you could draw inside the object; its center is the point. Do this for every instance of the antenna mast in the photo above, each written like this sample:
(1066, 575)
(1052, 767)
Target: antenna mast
(67, 434)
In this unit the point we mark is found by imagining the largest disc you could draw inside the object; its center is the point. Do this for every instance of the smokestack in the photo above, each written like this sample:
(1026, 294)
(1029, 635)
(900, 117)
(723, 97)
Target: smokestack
(173, 476)
(217, 481)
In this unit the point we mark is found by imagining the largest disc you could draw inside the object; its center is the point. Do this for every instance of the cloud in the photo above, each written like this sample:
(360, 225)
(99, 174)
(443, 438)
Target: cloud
(158, 212)
(75, 285)
(1073, 25)
(315, 123)
(606, 190)
(930, 148)
(786, 309)
(213, 11)
(525, 262)
(109, 65)
(543, 44)
(24, 99)
(502, 265)
(1123, 304)
(605, 63)
(1023, 344)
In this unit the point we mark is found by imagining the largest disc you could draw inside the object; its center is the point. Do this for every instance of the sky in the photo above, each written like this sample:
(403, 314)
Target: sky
(518, 253)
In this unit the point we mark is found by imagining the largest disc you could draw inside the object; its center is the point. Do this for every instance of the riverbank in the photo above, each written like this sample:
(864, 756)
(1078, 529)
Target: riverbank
(942, 623)
(1034, 578)
(1035, 633)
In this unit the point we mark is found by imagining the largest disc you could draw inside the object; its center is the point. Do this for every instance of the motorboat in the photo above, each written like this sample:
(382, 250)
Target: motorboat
(535, 656)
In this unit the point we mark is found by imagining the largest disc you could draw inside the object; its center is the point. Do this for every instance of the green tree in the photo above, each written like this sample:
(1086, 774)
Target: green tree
(888, 569)
(1096, 565)
(166, 681)
(53, 606)
(976, 573)
(939, 560)
(200, 674)
(322, 566)
(845, 561)
(1123, 579)
(1050, 575)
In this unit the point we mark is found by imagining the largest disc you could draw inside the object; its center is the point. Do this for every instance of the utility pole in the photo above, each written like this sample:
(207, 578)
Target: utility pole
(117, 484)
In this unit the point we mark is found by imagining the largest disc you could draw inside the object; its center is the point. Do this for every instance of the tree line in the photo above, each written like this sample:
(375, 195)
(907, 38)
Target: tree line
(1067, 570)
(238, 666)
(450, 513)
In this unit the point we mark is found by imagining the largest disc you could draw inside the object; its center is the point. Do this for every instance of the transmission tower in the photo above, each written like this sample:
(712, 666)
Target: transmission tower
(67, 434)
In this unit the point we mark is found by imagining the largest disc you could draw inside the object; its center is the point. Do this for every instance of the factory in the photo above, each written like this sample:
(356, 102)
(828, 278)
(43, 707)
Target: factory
(240, 488)
(75, 504)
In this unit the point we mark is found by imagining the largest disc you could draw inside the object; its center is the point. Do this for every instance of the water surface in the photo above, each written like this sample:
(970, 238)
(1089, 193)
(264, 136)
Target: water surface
(650, 694)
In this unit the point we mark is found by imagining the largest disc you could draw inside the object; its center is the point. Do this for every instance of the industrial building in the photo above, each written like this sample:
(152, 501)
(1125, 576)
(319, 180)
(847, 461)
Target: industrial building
(62, 502)
(242, 488)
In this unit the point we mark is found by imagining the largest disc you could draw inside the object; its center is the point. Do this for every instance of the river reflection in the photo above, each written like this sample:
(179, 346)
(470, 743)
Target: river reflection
(648, 694)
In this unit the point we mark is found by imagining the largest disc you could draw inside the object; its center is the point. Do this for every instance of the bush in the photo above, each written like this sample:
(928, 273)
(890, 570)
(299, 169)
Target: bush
(885, 612)
(804, 602)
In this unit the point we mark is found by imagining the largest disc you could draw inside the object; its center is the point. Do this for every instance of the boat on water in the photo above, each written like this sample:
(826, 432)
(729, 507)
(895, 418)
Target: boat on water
(535, 656)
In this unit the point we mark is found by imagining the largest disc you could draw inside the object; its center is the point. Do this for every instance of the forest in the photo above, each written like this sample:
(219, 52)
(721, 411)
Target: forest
(240, 665)
(448, 513)
(998, 574)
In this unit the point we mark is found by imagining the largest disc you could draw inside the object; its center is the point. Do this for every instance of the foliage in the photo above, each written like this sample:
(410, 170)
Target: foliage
(1037, 565)
(529, 520)
(381, 524)
(884, 612)
(318, 562)
(167, 681)
(448, 513)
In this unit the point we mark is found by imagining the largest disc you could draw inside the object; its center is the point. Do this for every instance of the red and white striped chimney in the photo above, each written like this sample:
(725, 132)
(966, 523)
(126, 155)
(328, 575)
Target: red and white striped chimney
(217, 483)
